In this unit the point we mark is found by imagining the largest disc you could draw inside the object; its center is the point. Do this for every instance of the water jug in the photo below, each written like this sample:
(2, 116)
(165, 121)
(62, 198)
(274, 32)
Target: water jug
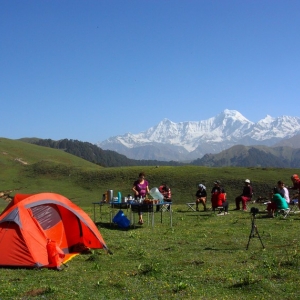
(156, 194)
(110, 195)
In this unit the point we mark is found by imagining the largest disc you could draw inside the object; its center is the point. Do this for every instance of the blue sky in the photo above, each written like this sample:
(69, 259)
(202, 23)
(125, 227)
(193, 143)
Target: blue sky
(89, 70)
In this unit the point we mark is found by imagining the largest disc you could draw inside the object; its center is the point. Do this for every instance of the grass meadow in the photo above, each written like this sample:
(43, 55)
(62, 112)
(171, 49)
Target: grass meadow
(203, 256)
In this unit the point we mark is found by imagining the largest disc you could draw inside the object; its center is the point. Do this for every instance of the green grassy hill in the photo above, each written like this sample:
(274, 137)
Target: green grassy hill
(203, 256)
(36, 169)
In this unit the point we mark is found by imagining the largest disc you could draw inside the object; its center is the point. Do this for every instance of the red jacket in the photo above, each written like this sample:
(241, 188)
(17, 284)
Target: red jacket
(166, 192)
(296, 185)
(217, 199)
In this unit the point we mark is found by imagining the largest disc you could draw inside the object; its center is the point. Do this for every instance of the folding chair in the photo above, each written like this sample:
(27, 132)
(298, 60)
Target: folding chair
(219, 209)
(284, 212)
(164, 207)
(190, 206)
(293, 205)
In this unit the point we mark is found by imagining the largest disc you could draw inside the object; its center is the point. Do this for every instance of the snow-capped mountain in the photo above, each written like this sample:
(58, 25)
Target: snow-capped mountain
(190, 140)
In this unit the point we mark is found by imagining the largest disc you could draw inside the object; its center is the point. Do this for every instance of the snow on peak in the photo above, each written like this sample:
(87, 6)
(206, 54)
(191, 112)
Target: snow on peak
(229, 126)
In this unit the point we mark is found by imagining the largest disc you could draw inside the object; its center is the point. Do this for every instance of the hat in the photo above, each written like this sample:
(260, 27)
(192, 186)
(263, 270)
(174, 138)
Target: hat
(295, 176)
(202, 186)
(247, 180)
(217, 182)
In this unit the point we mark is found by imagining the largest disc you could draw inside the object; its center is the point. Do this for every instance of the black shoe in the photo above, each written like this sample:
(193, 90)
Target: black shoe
(236, 209)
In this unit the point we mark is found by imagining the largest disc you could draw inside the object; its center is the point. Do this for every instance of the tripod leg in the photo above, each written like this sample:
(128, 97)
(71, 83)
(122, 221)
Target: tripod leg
(259, 237)
(251, 235)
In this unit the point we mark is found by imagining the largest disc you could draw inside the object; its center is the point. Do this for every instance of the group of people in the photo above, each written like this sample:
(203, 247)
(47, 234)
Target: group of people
(218, 197)
(279, 196)
(141, 190)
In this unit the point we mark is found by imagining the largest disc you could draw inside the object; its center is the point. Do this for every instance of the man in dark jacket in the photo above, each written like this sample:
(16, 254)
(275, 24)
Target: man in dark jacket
(201, 195)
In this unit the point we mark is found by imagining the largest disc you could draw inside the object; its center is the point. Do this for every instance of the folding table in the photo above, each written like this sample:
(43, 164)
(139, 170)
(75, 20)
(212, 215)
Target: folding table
(136, 207)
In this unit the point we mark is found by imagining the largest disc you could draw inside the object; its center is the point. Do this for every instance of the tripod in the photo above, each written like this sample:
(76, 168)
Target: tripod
(254, 232)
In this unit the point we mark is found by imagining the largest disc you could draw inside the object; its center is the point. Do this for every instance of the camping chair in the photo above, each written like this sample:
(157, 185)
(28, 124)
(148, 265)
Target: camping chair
(190, 205)
(293, 205)
(164, 207)
(283, 212)
(219, 209)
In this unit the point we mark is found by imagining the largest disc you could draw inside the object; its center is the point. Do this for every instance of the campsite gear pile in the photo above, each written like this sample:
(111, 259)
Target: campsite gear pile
(45, 230)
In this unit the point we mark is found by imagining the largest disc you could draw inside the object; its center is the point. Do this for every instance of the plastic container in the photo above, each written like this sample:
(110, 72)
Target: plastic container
(119, 197)
(156, 194)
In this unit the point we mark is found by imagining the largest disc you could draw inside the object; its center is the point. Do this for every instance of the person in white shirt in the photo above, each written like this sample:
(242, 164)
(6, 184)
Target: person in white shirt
(283, 191)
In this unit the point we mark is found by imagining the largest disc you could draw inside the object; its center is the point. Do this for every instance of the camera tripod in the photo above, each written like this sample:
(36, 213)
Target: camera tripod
(254, 232)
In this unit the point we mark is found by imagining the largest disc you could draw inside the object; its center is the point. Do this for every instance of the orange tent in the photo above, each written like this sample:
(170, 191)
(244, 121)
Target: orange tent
(44, 230)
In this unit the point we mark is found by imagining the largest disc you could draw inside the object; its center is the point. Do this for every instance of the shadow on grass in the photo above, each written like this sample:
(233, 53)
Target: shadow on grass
(245, 283)
(199, 214)
(224, 249)
(113, 226)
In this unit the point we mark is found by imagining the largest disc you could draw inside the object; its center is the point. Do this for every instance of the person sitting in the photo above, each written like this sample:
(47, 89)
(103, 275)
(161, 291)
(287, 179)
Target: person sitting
(245, 196)
(277, 202)
(283, 191)
(201, 195)
(218, 197)
(166, 192)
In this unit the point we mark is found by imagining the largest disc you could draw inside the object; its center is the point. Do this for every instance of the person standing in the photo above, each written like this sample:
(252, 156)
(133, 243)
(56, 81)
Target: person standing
(201, 195)
(140, 189)
(244, 197)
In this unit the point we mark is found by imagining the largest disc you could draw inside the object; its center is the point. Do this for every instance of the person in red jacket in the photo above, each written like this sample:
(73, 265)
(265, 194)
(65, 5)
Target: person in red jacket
(218, 197)
(296, 186)
(245, 196)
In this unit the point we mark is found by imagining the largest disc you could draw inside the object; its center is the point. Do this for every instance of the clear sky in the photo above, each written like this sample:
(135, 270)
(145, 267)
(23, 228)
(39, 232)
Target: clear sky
(93, 69)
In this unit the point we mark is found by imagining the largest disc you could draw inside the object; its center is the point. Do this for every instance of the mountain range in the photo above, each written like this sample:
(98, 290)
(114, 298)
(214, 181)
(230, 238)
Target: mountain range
(192, 140)
(253, 156)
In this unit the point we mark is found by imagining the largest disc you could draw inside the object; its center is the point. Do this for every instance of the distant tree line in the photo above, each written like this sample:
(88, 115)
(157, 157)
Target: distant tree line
(94, 154)
(245, 157)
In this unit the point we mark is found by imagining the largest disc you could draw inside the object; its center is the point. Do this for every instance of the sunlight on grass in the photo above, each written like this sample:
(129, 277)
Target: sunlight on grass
(201, 257)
